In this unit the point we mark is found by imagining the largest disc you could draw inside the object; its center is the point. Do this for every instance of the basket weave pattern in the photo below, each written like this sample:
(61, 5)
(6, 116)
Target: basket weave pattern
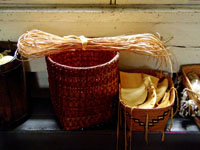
(186, 83)
(157, 117)
(83, 86)
(156, 122)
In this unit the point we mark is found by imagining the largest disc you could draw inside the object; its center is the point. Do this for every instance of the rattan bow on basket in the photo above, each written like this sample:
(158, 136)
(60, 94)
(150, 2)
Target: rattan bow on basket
(36, 43)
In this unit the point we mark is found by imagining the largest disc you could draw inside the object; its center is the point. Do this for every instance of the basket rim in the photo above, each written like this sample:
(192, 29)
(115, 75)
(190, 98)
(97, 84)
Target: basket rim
(184, 69)
(148, 109)
(115, 58)
(12, 64)
(13, 59)
(186, 82)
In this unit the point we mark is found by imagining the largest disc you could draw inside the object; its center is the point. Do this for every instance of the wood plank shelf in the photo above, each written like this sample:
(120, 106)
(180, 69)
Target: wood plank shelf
(41, 130)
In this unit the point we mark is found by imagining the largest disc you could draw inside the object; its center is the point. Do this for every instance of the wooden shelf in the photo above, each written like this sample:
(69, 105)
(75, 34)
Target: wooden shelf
(41, 130)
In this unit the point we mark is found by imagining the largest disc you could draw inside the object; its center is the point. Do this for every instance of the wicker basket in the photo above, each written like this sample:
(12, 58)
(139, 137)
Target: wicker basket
(83, 86)
(136, 119)
(186, 83)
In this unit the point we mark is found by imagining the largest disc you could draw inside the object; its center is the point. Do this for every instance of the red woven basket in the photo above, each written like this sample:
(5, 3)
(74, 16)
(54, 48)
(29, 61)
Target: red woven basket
(83, 86)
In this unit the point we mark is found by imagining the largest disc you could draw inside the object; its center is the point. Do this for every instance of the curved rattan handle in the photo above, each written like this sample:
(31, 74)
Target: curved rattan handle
(191, 91)
(196, 100)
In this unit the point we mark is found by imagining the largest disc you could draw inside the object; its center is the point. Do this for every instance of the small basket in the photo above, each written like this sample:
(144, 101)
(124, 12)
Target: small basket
(83, 86)
(155, 119)
(186, 83)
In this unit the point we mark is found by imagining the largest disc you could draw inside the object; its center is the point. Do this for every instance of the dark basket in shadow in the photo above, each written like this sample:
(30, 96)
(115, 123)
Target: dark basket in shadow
(13, 99)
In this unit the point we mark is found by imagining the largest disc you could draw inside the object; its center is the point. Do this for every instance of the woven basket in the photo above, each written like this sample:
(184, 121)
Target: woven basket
(186, 83)
(83, 86)
(136, 119)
